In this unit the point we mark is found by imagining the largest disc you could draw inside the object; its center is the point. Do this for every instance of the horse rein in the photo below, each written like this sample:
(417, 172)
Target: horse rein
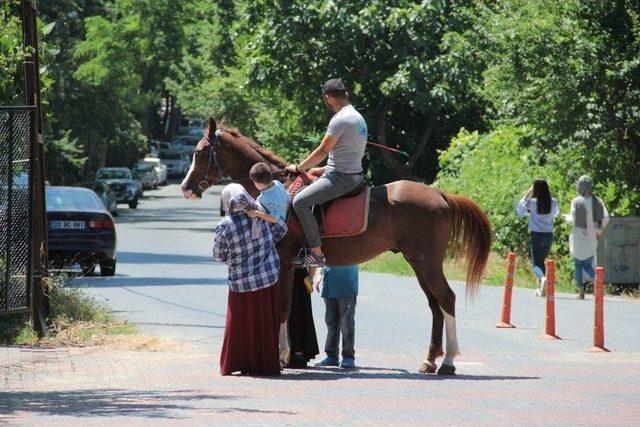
(213, 158)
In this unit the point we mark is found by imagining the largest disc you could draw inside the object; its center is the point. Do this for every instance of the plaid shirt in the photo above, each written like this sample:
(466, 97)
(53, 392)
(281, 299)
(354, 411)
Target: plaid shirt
(253, 263)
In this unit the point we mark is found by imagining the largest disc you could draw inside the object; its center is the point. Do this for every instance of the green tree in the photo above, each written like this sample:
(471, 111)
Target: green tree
(406, 64)
(570, 69)
(11, 54)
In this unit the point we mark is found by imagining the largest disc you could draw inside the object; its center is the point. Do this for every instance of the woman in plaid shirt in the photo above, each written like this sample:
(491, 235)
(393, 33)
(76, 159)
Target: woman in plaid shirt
(246, 241)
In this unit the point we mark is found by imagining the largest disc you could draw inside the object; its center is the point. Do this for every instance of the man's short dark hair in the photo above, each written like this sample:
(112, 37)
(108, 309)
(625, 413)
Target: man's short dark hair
(261, 173)
(335, 88)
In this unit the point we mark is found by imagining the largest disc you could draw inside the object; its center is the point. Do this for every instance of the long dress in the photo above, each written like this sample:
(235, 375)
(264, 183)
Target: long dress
(250, 343)
(302, 330)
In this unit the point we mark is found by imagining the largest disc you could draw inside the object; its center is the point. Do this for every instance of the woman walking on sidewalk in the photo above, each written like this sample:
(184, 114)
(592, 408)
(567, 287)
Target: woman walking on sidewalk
(588, 216)
(246, 241)
(542, 208)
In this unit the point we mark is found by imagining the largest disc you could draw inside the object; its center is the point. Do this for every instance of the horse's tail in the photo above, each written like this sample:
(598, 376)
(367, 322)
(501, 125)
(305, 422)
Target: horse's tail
(470, 237)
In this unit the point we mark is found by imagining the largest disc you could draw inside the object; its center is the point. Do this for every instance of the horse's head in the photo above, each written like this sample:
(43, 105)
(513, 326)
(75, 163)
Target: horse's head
(225, 153)
(205, 166)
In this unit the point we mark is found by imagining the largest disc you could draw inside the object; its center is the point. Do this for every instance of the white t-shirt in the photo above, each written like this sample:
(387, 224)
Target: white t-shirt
(350, 129)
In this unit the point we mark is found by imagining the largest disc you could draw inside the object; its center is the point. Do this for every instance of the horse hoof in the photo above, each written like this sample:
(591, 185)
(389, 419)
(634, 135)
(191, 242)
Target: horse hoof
(285, 356)
(428, 367)
(447, 370)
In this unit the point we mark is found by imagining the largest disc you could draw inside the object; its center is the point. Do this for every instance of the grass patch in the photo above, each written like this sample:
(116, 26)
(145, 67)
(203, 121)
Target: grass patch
(76, 318)
(392, 263)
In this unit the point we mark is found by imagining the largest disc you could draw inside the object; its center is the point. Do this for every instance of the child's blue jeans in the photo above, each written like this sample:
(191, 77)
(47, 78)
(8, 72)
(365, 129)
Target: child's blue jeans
(340, 318)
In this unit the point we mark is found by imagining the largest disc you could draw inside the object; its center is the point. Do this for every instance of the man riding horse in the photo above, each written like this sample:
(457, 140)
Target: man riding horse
(344, 143)
(421, 223)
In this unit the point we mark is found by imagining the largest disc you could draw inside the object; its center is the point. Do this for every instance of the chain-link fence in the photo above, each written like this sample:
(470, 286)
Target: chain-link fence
(15, 206)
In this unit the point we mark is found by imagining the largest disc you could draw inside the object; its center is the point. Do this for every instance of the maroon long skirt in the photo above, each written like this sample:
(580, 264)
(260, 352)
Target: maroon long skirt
(250, 343)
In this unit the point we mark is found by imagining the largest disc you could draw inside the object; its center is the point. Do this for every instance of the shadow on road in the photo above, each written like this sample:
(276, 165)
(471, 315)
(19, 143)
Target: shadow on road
(98, 282)
(185, 216)
(181, 325)
(333, 374)
(199, 310)
(211, 229)
(114, 402)
(152, 258)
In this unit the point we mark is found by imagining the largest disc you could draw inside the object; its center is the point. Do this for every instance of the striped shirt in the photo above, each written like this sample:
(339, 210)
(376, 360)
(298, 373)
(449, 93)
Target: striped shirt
(253, 263)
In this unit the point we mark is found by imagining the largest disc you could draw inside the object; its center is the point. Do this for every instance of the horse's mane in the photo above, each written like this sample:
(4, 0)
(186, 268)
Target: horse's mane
(263, 154)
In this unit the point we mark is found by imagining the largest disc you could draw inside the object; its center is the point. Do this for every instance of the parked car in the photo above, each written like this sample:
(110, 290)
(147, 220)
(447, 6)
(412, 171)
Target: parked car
(198, 131)
(146, 174)
(80, 230)
(106, 195)
(177, 163)
(186, 144)
(187, 124)
(156, 146)
(121, 182)
(160, 168)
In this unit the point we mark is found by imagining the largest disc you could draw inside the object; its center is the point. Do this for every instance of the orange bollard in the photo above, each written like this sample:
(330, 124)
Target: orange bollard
(598, 327)
(550, 320)
(505, 322)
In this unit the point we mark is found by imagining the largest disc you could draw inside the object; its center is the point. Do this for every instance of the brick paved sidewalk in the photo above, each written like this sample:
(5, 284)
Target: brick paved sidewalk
(106, 386)
(506, 377)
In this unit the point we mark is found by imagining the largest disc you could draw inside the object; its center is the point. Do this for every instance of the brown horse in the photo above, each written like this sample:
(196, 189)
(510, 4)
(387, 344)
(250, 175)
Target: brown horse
(408, 217)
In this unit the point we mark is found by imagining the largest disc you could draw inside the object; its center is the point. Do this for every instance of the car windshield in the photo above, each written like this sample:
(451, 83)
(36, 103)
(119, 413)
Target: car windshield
(114, 174)
(186, 140)
(69, 199)
(143, 167)
(170, 156)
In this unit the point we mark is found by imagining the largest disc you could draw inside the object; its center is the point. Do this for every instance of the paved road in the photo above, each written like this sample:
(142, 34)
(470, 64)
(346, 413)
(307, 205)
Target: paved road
(167, 284)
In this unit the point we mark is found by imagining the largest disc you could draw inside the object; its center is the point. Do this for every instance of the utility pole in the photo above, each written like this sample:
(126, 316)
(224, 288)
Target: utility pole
(39, 300)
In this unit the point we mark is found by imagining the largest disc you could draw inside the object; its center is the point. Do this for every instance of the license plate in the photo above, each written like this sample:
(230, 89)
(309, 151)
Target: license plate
(68, 225)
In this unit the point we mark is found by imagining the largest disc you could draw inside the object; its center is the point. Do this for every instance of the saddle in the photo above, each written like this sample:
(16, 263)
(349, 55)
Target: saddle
(342, 217)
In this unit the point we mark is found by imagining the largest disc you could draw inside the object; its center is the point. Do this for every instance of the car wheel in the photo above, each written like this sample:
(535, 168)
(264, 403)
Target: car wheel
(115, 212)
(88, 269)
(133, 204)
(108, 267)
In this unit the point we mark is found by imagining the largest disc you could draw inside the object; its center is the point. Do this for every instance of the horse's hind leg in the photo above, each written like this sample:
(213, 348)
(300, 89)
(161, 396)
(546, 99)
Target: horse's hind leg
(442, 300)
(435, 346)
(447, 301)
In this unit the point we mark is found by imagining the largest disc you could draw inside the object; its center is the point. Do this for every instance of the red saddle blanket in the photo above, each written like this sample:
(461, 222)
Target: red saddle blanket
(346, 216)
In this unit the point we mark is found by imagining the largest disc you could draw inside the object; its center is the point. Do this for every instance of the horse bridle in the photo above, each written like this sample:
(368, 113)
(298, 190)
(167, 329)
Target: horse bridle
(213, 157)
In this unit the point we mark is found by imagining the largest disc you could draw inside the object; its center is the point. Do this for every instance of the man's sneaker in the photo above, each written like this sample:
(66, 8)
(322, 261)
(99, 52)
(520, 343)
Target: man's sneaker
(327, 361)
(310, 260)
(298, 261)
(314, 261)
(348, 363)
(543, 287)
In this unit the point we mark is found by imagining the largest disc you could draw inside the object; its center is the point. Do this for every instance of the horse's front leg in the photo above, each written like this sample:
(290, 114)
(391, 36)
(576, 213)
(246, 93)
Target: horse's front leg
(286, 292)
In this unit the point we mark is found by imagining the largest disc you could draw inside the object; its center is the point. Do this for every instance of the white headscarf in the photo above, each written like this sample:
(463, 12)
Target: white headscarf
(236, 201)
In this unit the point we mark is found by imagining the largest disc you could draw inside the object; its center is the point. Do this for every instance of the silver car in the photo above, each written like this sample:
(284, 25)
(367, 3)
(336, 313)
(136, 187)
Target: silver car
(159, 167)
(177, 163)
(187, 144)
(146, 174)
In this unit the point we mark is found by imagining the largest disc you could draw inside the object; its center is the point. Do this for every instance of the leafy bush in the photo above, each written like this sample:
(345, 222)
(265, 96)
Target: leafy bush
(75, 318)
(493, 169)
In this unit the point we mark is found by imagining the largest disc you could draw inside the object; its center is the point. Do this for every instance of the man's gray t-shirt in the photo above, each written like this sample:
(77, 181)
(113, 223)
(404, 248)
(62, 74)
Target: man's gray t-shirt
(350, 129)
